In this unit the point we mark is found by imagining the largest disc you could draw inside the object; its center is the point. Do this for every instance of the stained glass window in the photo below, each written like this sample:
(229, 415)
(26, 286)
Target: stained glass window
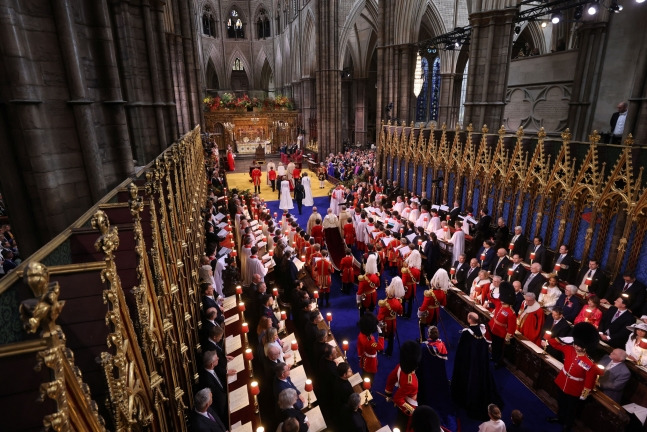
(421, 103)
(429, 98)
(434, 90)
(235, 28)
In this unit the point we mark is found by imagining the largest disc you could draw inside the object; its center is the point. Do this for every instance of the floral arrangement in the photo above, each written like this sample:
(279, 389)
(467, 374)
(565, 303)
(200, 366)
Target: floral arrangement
(230, 101)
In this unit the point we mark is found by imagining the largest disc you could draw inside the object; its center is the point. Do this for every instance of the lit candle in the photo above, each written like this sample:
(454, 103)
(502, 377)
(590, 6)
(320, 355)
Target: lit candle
(294, 345)
(275, 292)
(315, 294)
(241, 306)
(239, 289)
(532, 256)
(244, 327)
(367, 383)
(419, 242)
(588, 281)
(482, 256)
(452, 271)
(308, 385)
(445, 228)
(510, 271)
(284, 315)
(548, 335)
(249, 354)
(344, 345)
(557, 267)
(448, 217)
(328, 316)
(544, 290)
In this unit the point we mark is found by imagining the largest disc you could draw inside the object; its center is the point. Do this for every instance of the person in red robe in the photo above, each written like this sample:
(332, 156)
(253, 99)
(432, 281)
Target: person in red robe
(317, 232)
(368, 345)
(349, 232)
(347, 272)
(316, 254)
(256, 179)
(402, 384)
(324, 270)
(369, 283)
(391, 252)
(389, 309)
(429, 311)
(230, 159)
(531, 319)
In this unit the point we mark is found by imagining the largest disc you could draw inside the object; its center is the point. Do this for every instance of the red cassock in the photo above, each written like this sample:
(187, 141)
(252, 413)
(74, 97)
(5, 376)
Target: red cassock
(392, 254)
(230, 161)
(296, 173)
(406, 390)
(308, 251)
(410, 279)
(347, 270)
(324, 270)
(349, 234)
(367, 349)
(317, 233)
(256, 177)
(577, 377)
(530, 324)
(368, 284)
(378, 238)
(390, 308)
(313, 267)
(434, 298)
(503, 321)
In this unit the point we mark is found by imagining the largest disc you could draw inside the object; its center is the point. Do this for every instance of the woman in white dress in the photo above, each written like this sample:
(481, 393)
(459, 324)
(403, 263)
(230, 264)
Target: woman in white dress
(305, 181)
(286, 198)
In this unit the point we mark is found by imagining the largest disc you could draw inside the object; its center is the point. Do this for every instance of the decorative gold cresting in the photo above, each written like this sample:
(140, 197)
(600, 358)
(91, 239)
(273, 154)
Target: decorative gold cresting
(67, 389)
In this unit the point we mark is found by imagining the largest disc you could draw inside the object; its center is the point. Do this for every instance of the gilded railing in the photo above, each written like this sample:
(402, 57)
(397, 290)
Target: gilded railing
(142, 245)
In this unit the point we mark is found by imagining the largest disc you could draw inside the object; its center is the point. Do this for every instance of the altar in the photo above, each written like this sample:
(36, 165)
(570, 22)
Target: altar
(248, 146)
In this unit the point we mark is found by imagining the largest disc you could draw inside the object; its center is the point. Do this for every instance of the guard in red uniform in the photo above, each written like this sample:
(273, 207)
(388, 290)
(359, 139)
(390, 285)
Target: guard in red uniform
(402, 384)
(503, 323)
(256, 179)
(578, 375)
(317, 232)
(347, 272)
(429, 311)
(315, 254)
(389, 309)
(391, 252)
(324, 269)
(368, 286)
(367, 345)
(411, 277)
(271, 176)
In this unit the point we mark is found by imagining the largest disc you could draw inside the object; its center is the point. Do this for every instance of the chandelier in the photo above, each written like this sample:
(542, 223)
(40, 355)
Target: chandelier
(417, 76)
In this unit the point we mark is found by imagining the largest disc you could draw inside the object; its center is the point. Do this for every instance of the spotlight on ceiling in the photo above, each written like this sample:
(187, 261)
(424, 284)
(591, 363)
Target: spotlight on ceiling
(517, 29)
(544, 24)
(640, 1)
(556, 17)
(593, 9)
(614, 7)
(578, 13)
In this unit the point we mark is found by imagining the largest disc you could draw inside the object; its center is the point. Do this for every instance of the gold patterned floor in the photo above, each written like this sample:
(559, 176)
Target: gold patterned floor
(243, 181)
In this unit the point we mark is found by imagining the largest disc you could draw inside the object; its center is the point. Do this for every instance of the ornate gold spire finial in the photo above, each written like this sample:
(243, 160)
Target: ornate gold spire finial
(566, 135)
(502, 130)
(594, 138)
(484, 129)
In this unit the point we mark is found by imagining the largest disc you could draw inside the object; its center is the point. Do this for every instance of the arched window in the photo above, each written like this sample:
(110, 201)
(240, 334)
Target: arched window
(235, 29)
(429, 97)
(461, 110)
(238, 66)
(262, 25)
(208, 22)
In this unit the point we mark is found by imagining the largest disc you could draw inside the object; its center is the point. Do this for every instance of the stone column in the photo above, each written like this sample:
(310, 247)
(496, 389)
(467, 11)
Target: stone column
(636, 123)
(361, 114)
(590, 59)
(328, 78)
(490, 50)
(449, 99)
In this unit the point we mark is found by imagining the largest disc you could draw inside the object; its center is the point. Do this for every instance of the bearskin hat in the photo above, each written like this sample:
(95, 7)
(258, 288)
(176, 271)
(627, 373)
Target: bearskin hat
(585, 335)
(368, 324)
(410, 353)
(506, 293)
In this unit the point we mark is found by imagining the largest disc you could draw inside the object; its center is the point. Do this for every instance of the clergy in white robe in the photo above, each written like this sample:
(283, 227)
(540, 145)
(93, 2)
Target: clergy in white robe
(434, 224)
(254, 266)
(217, 274)
(458, 241)
(286, 198)
(415, 213)
(423, 219)
(245, 253)
(331, 220)
(305, 181)
(336, 199)
(399, 205)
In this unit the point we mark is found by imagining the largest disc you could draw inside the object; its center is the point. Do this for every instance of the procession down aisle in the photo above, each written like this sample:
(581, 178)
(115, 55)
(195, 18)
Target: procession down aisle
(243, 181)
(345, 316)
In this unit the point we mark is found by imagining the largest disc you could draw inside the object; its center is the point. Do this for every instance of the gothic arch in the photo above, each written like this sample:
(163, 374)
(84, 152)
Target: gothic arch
(295, 58)
(214, 56)
(259, 64)
(537, 36)
(371, 7)
(246, 66)
(430, 18)
(310, 37)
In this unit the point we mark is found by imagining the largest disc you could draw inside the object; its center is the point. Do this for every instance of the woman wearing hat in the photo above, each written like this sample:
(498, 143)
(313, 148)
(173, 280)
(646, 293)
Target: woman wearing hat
(634, 351)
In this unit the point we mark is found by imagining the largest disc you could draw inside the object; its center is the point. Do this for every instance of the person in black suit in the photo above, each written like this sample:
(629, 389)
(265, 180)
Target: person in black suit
(214, 343)
(632, 290)
(342, 388)
(282, 381)
(208, 298)
(518, 296)
(209, 378)
(519, 242)
(286, 400)
(538, 250)
(519, 272)
(558, 327)
(486, 254)
(499, 265)
(618, 130)
(353, 415)
(454, 212)
(599, 282)
(501, 235)
(481, 230)
(534, 280)
(614, 323)
(472, 273)
(570, 303)
(460, 272)
(203, 418)
(563, 264)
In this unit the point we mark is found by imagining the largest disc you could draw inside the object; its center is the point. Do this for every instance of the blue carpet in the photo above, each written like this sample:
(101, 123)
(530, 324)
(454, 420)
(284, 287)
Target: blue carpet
(344, 326)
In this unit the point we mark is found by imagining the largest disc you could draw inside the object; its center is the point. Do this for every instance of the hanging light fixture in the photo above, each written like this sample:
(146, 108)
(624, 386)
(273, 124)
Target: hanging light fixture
(417, 76)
